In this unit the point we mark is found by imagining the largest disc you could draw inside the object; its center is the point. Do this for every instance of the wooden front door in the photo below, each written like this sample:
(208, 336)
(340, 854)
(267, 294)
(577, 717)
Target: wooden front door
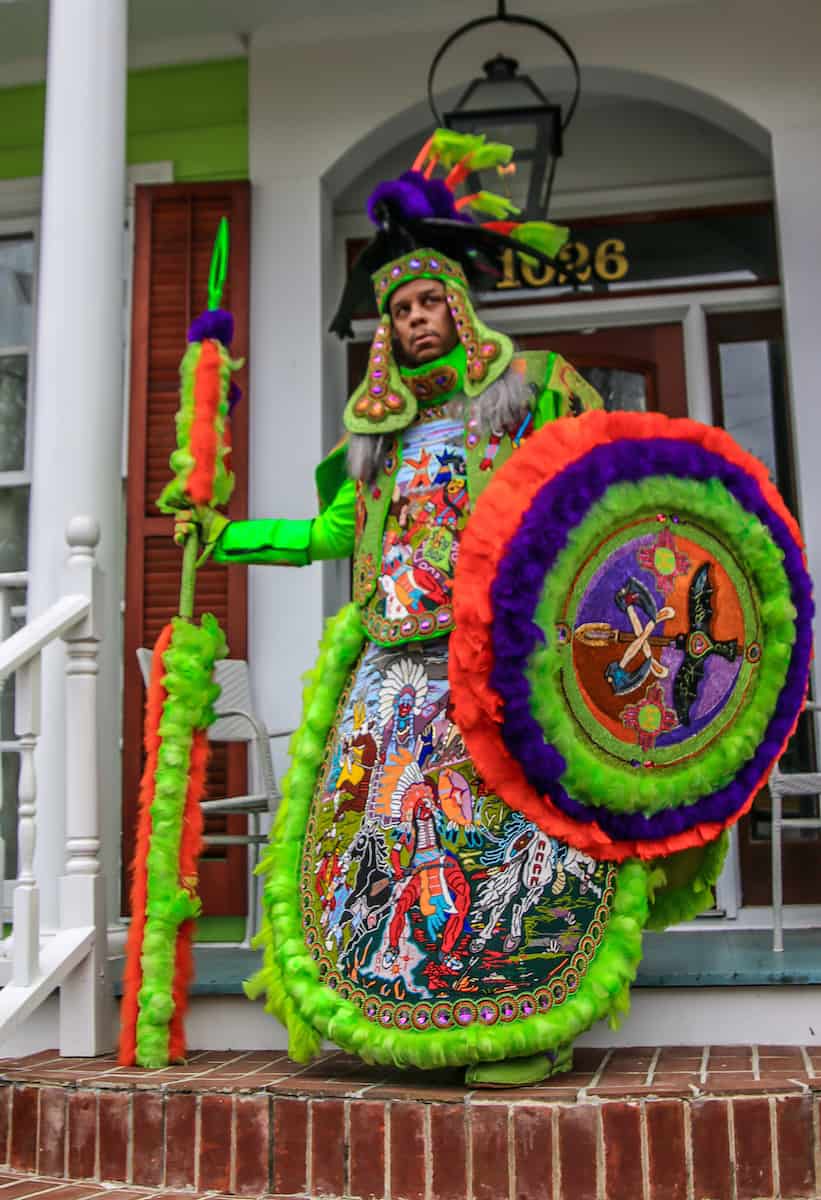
(173, 236)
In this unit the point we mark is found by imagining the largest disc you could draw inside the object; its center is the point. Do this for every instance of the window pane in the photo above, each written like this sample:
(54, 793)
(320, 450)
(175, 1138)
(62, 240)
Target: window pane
(621, 391)
(16, 291)
(747, 394)
(14, 511)
(13, 391)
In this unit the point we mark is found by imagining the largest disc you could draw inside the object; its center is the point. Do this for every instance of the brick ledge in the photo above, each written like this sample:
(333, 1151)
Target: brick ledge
(675, 1121)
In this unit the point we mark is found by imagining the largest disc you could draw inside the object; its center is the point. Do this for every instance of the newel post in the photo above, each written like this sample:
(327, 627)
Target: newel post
(86, 1001)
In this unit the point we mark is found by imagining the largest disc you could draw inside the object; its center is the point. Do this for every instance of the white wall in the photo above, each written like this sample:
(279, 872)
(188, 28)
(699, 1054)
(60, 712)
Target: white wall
(321, 112)
(613, 142)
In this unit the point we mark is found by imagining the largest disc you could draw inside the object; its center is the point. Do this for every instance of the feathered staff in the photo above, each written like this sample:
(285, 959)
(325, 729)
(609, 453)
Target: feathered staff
(179, 709)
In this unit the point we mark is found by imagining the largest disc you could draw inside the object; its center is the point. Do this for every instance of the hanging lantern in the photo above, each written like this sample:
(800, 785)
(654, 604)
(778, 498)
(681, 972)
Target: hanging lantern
(510, 108)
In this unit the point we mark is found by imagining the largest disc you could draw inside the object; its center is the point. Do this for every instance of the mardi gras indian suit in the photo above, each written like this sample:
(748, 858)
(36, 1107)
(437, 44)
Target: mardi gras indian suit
(571, 657)
(423, 905)
(410, 914)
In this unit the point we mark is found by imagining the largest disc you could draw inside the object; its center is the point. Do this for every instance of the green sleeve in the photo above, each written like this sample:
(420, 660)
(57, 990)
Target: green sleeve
(332, 532)
(283, 542)
(293, 543)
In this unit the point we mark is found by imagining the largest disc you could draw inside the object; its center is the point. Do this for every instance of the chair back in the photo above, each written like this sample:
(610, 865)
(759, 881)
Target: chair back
(234, 680)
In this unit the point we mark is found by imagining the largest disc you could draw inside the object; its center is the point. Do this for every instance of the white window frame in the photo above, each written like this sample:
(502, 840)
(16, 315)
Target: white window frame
(20, 207)
(21, 228)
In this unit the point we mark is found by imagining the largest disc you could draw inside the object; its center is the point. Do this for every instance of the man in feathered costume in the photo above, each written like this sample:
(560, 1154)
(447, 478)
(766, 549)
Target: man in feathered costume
(444, 403)
(428, 974)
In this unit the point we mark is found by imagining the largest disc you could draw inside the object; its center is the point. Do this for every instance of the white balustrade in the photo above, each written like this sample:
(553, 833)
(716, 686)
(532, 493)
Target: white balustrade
(26, 955)
(73, 959)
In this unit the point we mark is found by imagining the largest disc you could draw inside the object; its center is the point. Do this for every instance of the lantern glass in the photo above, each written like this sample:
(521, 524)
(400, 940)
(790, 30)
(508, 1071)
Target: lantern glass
(535, 133)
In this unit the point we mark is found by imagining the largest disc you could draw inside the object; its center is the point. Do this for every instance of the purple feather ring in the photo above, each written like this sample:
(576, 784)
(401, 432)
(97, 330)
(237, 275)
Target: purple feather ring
(554, 512)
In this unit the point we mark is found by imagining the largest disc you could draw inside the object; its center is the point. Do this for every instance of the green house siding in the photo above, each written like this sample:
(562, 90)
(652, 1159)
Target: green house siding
(195, 116)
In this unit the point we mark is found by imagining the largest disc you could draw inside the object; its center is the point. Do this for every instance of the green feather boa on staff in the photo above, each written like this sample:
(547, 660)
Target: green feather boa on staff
(179, 710)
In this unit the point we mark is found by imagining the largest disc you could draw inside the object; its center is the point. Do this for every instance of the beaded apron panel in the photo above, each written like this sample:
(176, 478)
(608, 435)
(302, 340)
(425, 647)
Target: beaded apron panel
(428, 510)
(426, 901)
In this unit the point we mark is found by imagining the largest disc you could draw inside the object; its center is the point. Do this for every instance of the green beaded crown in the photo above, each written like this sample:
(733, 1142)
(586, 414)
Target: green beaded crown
(418, 264)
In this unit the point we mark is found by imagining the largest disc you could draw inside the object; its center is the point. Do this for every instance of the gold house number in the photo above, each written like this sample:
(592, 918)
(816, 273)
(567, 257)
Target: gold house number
(607, 261)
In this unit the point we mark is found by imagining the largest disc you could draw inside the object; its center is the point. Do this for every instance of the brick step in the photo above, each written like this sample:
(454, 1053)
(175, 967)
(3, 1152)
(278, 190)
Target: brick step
(673, 1123)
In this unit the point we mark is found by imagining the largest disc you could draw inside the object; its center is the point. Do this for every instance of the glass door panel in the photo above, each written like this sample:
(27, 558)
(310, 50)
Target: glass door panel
(750, 400)
(620, 389)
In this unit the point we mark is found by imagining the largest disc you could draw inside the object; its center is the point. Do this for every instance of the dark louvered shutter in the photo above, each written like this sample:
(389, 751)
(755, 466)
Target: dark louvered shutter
(173, 236)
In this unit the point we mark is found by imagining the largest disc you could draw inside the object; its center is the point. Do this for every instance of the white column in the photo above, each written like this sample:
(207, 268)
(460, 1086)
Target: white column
(287, 332)
(78, 389)
(797, 171)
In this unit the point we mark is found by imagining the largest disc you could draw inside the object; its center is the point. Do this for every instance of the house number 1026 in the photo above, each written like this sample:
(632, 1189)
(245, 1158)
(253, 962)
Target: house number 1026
(607, 261)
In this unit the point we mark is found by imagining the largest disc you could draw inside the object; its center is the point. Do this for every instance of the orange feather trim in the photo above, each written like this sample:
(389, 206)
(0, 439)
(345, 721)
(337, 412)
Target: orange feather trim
(132, 974)
(190, 847)
(478, 709)
(419, 161)
(505, 227)
(207, 393)
(458, 174)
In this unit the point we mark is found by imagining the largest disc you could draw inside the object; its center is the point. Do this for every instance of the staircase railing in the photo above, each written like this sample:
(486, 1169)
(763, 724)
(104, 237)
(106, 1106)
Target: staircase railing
(74, 957)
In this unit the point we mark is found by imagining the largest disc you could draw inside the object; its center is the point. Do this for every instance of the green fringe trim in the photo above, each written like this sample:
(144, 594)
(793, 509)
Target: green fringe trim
(451, 147)
(592, 777)
(542, 236)
(289, 977)
(689, 879)
(174, 495)
(341, 645)
(189, 662)
(491, 205)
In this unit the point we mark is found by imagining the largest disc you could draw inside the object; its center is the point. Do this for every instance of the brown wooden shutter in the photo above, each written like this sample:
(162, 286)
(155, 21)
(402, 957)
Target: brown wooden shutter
(173, 237)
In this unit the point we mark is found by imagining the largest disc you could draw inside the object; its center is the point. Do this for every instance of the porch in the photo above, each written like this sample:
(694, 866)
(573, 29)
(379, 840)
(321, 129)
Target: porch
(678, 1121)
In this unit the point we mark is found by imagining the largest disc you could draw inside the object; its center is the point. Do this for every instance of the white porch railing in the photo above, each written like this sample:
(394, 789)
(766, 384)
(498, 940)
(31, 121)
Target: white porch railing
(74, 957)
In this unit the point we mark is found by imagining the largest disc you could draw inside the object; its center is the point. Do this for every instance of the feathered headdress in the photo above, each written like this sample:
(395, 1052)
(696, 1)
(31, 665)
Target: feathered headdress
(422, 210)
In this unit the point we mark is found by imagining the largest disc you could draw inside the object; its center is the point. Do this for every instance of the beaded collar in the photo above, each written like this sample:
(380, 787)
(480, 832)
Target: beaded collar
(433, 383)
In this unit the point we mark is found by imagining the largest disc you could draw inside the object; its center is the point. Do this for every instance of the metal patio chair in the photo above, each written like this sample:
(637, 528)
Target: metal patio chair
(805, 783)
(237, 722)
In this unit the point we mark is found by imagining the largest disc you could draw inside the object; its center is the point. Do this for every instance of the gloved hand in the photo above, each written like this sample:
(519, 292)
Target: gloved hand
(206, 521)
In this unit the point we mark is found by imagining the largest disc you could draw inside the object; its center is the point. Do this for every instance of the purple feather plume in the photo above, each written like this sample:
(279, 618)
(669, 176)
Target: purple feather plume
(216, 323)
(412, 197)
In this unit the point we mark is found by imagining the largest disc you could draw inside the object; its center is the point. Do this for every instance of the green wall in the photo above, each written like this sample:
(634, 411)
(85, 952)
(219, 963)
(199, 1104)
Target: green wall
(195, 116)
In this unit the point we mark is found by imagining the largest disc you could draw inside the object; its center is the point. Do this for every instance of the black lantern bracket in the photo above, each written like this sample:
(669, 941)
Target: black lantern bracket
(548, 117)
(503, 17)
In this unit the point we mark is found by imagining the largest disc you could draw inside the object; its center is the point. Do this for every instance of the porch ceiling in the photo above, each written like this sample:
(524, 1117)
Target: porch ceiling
(23, 23)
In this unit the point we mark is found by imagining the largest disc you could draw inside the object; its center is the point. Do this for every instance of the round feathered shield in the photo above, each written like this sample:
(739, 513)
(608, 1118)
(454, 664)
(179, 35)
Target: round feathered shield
(633, 632)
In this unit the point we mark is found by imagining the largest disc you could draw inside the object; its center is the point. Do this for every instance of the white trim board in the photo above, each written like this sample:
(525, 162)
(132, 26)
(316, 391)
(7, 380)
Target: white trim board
(593, 314)
(721, 1016)
(21, 198)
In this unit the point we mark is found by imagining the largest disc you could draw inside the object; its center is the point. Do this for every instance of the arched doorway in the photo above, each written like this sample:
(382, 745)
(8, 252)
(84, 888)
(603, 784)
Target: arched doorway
(681, 202)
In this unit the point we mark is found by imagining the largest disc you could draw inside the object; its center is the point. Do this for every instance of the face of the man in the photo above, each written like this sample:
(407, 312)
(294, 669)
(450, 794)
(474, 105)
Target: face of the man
(421, 321)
